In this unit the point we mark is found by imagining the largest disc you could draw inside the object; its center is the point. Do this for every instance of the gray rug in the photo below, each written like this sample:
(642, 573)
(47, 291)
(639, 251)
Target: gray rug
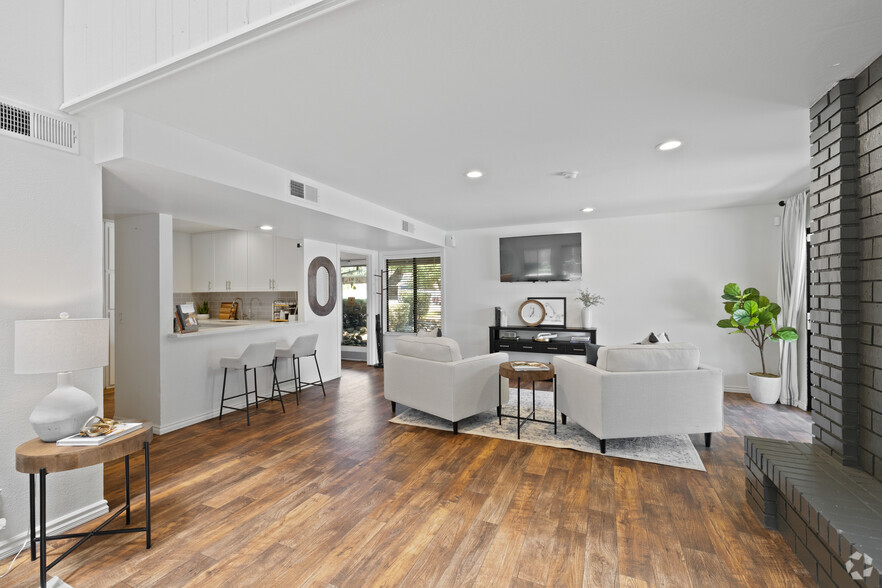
(673, 450)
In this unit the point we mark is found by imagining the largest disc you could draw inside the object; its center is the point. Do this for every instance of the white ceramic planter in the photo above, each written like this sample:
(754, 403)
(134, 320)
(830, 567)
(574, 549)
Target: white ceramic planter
(764, 389)
(203, 317)
(586, 317)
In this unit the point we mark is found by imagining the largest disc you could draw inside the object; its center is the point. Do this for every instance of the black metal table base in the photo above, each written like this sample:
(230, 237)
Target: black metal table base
(44, 538)
(532, 416)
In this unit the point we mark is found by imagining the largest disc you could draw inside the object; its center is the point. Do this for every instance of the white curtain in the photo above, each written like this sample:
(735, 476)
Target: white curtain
(791, 293)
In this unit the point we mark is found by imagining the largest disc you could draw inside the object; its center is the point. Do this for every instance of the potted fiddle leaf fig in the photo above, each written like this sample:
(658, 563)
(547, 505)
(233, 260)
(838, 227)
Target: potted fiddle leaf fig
(752, 314)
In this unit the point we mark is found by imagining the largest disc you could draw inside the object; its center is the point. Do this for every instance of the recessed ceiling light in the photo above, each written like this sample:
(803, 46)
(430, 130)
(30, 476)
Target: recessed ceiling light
(570, 175)
(587, 209)
(266, 227)
(475, 173)
(669, 145)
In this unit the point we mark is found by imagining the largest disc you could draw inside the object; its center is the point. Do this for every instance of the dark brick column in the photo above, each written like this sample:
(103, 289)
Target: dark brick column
(868, 88)
(835, 263)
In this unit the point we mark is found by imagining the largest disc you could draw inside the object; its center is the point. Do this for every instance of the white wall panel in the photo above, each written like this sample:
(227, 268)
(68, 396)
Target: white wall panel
(106, 41)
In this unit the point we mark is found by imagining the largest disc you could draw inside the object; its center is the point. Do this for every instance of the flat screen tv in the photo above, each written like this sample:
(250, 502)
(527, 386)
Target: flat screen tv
(541, 258)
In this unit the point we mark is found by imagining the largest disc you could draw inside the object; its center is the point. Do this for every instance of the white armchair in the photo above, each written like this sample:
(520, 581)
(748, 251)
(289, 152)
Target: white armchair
(429, 374)
(641, 391)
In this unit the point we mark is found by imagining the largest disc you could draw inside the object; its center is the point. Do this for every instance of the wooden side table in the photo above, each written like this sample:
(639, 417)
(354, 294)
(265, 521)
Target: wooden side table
(506, 370)
(38, 457)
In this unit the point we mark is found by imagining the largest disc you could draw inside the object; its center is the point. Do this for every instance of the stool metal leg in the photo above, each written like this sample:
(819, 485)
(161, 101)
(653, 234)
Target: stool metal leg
(276, 386)
(247, 410)
(220, 413)
(322, 382)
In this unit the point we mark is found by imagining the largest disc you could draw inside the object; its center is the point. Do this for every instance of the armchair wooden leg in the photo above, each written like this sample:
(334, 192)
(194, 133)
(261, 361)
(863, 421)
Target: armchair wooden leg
(456, 427)
(603, 446)
(707, 438)
(563, 419)
(393, 407)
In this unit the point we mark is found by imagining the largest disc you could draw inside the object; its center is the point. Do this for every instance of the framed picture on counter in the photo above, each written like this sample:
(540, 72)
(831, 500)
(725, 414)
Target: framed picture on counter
(555, 311)
(186, 316)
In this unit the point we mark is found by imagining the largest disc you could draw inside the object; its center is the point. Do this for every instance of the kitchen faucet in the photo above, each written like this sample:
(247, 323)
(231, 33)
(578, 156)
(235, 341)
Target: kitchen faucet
(242, 306)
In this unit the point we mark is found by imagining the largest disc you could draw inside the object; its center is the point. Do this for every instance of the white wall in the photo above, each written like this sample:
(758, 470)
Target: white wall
(328, 327)
(182, 251)
(107, 41)
(657, 272)
(51, 236)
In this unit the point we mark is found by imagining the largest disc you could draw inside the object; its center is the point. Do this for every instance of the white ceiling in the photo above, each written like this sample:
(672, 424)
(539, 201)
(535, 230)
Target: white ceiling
(393, 100)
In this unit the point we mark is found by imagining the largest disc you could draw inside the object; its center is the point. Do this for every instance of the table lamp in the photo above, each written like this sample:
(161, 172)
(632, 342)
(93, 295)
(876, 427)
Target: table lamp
(61, 345)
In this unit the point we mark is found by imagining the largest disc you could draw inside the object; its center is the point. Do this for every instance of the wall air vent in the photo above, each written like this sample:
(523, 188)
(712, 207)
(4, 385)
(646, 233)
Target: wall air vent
(302, 191)
(407, 226)
(23, 122)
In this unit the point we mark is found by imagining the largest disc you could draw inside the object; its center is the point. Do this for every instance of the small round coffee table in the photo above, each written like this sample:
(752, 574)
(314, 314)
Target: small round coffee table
(507, 370)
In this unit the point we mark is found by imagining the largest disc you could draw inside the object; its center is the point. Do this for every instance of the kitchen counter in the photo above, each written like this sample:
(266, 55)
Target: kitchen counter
(219, 327)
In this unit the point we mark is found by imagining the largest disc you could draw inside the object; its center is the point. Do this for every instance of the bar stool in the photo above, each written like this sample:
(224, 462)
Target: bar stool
(255, 355)
(303, 346)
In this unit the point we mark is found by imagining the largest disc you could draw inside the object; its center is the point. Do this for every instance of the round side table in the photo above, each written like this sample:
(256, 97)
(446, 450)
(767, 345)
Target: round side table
(508, 371)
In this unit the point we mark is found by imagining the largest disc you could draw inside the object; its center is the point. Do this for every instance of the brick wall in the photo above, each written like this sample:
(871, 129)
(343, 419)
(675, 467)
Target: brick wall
(835, 269)
(868, 92)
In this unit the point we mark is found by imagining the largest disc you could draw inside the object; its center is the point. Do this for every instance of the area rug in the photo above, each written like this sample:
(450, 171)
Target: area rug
(672, 450)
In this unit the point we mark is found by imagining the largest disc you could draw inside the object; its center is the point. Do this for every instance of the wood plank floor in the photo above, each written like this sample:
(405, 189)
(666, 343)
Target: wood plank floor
(332, 494)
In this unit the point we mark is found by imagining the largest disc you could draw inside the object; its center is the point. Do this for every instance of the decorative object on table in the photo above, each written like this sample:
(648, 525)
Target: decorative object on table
(588, 300)
(203, 311)
(555, 311)
(186, 317)
(531, 312)
(509, 335)
(530, 366)
(754, 315)
(97, 432)
(281, 311)
(544, 337)
(61, 345)
(670, 450)
(317, 288)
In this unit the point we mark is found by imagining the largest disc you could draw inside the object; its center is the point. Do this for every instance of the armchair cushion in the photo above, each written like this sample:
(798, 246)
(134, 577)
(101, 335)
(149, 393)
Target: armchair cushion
(660, 357)
(431, 348)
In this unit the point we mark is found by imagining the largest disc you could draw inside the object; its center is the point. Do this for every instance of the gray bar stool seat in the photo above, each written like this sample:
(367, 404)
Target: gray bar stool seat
(255, 355)
(303, 346)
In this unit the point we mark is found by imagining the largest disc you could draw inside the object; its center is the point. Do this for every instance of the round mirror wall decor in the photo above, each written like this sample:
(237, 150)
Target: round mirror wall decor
(328, 287)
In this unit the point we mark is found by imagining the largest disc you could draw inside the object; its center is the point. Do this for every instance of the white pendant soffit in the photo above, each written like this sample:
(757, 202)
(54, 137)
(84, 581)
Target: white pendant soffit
(393, 100)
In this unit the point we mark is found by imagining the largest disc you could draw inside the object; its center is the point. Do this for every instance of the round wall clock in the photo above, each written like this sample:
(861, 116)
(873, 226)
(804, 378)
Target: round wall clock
(532, 312)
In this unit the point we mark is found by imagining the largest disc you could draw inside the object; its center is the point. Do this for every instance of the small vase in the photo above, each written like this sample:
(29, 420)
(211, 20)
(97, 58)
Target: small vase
(586, 317)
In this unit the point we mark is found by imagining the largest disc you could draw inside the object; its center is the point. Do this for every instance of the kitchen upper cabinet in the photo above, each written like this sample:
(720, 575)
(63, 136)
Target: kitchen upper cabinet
(202, 263)
(288, 265)
(231, 260)
(273, 263)
(260, 261)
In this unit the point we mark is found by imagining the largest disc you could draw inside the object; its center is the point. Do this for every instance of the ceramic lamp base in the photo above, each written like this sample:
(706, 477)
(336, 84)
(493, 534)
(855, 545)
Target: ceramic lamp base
(63, 412)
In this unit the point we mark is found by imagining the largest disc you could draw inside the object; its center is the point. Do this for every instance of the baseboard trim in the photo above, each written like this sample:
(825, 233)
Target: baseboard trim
(738, 389)
(63, 523)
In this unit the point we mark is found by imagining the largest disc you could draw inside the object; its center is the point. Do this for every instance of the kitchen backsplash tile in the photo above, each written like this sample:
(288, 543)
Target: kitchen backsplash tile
(260, 303)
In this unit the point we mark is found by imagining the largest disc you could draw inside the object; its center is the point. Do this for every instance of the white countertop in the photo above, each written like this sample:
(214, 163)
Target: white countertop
(219, 327)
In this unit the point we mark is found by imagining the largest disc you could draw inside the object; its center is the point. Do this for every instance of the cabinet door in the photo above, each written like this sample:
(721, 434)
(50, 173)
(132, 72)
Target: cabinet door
(260, 262)
(288, 265)
(202, 263)
(231, 260)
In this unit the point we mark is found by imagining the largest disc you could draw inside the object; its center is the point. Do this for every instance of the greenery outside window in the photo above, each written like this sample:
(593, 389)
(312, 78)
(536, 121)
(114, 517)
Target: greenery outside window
(413, 301)
(354, 281)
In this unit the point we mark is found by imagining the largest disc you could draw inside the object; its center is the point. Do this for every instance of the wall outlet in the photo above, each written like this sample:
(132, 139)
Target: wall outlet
(2, 524)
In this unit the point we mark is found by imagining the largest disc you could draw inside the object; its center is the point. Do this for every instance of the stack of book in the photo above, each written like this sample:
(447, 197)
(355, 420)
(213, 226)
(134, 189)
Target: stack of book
(83, 440)
(530, 366)
(580, 339)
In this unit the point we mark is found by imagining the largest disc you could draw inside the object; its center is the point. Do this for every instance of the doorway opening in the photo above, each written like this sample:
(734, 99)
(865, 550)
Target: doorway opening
(354, 297)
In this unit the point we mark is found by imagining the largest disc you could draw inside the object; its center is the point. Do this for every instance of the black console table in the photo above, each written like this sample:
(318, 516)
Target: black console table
(525, 344)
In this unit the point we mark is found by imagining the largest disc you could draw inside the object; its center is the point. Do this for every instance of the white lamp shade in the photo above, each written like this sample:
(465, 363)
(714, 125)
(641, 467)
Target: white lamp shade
(61, 345)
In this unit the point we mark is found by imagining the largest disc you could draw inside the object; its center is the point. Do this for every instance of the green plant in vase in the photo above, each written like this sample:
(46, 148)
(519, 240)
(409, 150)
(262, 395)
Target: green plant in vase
(754, 315)
(203, 308)
(588, 300)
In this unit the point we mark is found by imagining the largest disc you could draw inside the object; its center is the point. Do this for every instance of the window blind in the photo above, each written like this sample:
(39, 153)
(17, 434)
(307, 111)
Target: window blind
(413, 302)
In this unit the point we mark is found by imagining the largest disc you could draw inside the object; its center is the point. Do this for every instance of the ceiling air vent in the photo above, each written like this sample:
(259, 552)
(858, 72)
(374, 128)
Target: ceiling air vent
(304, 192)
(22, 122)
(407, 226)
